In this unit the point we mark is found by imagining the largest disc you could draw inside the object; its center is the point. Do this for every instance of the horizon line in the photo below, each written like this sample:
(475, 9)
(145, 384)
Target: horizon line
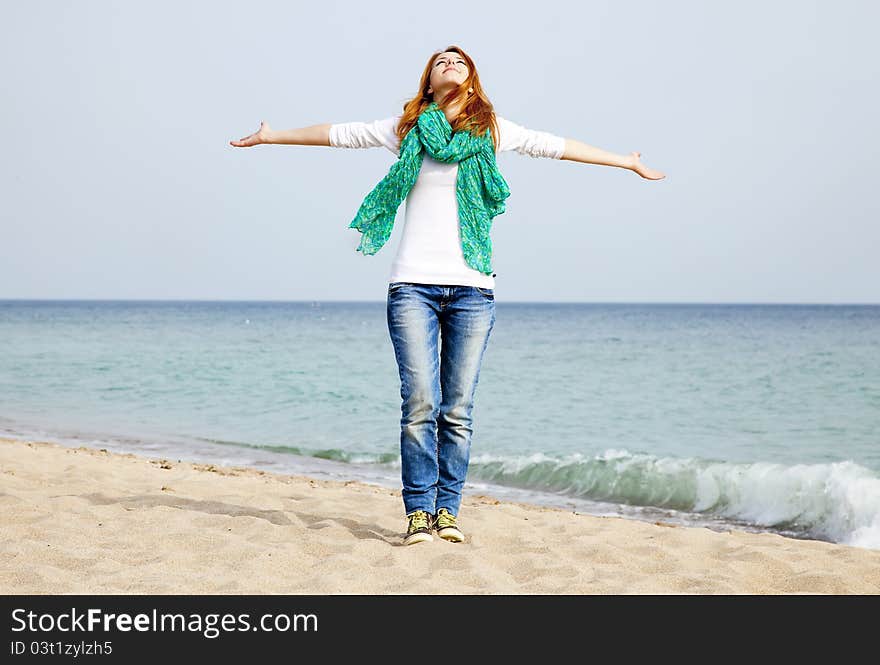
(512, 302)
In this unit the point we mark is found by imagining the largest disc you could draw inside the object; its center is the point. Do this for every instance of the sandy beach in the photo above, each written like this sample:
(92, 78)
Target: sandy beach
(87, 521)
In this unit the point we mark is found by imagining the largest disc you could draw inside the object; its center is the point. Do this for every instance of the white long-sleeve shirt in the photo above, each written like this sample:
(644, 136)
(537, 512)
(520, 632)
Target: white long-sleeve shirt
(430, 248)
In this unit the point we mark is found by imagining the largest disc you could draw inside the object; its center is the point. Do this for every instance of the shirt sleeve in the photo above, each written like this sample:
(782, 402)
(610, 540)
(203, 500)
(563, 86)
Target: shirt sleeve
(375, 134)
(530, 142)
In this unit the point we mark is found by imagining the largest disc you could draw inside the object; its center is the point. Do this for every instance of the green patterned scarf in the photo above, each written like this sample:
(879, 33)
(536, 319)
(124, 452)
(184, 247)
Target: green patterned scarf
(480, 189)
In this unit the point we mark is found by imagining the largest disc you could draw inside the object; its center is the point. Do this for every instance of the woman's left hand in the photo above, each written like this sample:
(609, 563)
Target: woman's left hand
(642, 170)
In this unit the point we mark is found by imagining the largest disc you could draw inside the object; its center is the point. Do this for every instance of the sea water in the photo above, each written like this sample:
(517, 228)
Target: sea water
(754, 417)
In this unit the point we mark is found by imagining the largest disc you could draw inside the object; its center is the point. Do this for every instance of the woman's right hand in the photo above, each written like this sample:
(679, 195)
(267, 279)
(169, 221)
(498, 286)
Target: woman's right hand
(258, 137)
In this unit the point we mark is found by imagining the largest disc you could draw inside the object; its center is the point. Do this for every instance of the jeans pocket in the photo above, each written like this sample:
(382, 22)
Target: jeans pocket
(487, 293)
(394, 286)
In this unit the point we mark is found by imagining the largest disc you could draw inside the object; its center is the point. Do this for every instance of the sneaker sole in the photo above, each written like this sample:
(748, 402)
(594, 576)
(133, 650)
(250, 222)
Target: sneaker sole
(451, 534)
(418, 538)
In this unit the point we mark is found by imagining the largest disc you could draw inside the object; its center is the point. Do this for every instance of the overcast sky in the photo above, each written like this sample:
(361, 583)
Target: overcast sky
(119, 180)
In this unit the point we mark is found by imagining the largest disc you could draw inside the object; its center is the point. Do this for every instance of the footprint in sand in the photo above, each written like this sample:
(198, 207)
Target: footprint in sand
(451, 562)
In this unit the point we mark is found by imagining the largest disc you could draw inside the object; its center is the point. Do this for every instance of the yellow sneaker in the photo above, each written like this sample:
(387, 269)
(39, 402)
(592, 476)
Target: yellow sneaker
(446, 527)
(419, 528)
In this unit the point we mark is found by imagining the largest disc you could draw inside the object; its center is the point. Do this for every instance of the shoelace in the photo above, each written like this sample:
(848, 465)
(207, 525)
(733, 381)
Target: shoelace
(444, 519)
(419, 520)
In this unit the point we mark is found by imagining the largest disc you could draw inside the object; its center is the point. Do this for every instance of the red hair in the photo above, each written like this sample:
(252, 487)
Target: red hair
(477, 113)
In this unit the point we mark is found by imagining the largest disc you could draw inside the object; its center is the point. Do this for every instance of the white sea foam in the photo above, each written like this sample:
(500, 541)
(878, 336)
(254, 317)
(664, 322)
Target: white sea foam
(837, 501)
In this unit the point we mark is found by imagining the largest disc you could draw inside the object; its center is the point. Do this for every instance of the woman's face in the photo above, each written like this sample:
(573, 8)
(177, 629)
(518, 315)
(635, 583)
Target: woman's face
(448, 71)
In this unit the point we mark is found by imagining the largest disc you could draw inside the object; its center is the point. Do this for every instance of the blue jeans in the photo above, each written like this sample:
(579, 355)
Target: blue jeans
(439, 334)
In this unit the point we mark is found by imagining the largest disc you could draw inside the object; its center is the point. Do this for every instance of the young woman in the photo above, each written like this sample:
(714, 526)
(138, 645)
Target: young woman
(441, 300)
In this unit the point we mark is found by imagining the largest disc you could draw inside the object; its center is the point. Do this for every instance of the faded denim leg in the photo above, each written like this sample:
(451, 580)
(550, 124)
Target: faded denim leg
(466, 322)
(413, 323)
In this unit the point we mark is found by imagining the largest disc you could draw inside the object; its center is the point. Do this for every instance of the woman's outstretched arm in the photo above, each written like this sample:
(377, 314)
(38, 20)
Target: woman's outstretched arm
(313, 135)
(581, 152)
